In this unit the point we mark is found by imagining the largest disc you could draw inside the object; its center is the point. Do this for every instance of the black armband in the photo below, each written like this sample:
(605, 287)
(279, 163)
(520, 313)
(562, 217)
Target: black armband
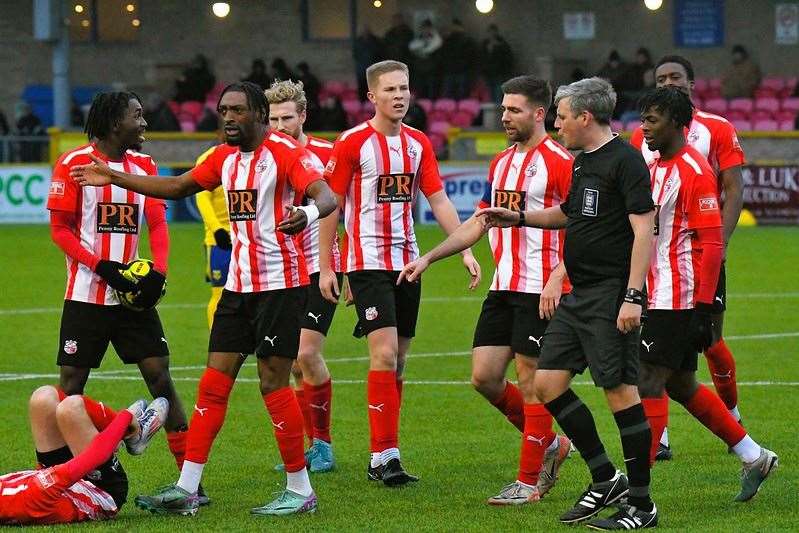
(634, 296)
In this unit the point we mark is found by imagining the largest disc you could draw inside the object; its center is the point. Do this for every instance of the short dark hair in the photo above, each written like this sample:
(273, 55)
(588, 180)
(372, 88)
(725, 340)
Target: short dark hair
(256, 98)
(535, 90)
(107, 110)
(669, 100)
(680, 60)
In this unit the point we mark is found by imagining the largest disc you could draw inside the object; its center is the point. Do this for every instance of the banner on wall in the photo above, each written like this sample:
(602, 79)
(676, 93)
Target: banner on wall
(23, 194)
(771, 193)
(698, 23)
(579, 26)
(786, 24)
(464, 185)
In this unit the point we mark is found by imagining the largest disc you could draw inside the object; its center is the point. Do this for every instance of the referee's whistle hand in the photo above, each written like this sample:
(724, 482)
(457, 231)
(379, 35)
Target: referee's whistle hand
(629, 317)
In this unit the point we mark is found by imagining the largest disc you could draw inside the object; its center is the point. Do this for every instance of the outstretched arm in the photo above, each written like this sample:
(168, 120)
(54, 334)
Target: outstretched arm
(499, 217)
(448, 219)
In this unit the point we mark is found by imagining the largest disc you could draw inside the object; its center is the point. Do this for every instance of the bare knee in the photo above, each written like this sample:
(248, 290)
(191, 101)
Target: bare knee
(489, 386)
(384, 358)
(43, 400)
(682, 386)
(651, 381)
(69, 408)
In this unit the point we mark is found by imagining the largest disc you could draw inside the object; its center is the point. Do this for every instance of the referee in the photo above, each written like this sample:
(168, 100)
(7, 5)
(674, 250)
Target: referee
(609, 217)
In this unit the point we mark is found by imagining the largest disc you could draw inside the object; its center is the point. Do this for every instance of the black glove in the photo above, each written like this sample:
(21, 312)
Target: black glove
(222, 238)
(150, 288)
(110, 272)
(700, 329)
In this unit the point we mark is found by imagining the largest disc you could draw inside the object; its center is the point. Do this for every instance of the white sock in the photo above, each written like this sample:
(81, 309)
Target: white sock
(553, 447)
(190, 476)
(299, 482)
(389, 454)
(374, 460)
(664, 439)
(747, 450)
(735, 414)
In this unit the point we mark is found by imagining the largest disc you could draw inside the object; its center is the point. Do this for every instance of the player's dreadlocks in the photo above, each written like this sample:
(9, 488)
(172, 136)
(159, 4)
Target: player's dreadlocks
(255, 97)
(669, 100)
(108, 110)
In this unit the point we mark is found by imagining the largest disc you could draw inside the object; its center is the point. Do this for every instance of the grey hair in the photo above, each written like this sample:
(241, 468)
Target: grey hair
(594, 95)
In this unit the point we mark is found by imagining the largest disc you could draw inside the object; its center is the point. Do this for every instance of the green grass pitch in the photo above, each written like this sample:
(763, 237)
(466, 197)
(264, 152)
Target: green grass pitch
(461, 447)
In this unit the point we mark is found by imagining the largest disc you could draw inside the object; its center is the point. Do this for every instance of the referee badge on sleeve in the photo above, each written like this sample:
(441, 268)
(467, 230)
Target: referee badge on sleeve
(590, 202)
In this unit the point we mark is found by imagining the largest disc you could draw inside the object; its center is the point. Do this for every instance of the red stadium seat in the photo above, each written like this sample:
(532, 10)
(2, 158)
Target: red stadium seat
(438, 141)
(787, 125)
(195, 109)
(772, 82)
(188, 126)
(767, 104)
(736, 115)
(701, 85)
(470, 105)
(437, 116)
(765, 125)
(631, 125)
(445, 104)
(461, 119)
(785, 114)
(617, 125)
(742, 125)
(352, 107)
(334, 87)
(741, 104)
(717, 106)
(790, 104)
(439, 127)
(174, 106)
(714, 83)
(364, 115)
(766, 92)
(425, 103)
(350, 94)
(758, 115)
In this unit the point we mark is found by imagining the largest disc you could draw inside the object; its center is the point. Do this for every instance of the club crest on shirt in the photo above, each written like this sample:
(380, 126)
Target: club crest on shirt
(530, 170)
(394, 188)
(242, 204)
(45, 478)
(262, 165)
(57, 188)
(306, 163)
(513, 200)
(693, 137)
(708, 203)
(590, 202)
(331, 165)
(117, 218)
(412, 153)
(70, 347)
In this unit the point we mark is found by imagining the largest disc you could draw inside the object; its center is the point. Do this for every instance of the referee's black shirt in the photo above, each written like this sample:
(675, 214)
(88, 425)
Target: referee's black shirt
(608, 184)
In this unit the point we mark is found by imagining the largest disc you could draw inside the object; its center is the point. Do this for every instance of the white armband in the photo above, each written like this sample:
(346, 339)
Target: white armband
(311, 213)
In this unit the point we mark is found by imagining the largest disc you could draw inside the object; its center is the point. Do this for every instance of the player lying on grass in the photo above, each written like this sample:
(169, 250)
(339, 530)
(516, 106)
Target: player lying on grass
(682, 279)
(89, 486)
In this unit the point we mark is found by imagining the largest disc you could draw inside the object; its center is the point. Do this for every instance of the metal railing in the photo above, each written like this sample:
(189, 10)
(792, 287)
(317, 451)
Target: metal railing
(24, 148)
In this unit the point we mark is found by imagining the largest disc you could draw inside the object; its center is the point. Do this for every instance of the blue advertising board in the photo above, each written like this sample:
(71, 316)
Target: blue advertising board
(698, 23)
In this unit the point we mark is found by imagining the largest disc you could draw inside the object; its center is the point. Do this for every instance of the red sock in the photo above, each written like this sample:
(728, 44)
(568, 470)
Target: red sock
(722, 370)
(400, 383)
(320, 398)
(307, 418)
(511, 404)
(100, 414)
(287, 424)
(711, 411)
(177, 445)
(100, 448)
(537, 436)
(657, 412)
(209, 414)
(381, 392)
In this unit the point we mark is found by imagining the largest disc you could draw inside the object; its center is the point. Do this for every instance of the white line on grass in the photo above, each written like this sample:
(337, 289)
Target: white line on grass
(431, 299)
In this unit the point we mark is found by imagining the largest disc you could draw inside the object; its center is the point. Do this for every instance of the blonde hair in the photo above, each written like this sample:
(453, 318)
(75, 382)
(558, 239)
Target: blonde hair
(287, 91)
(374, 72)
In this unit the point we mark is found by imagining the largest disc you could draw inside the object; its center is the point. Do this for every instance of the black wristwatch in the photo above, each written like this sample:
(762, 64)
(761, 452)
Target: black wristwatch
(520, 223)
(634, 296)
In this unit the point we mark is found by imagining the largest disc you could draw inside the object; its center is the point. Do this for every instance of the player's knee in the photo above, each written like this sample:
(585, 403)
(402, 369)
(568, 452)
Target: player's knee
(69, 407)
(488, 386)
(43, 399)
(384, 358)
(160, 383)
(649, 383)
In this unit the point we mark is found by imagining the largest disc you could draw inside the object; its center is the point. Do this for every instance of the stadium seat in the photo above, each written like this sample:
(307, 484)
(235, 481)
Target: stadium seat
(701, 85)
(440, 127)
(174, 106)
(742, 125)
(765, 125)
(765, 92)
(471, 105)
(188, 126)
(772, 82)
(363, 116)
(437, 116)
(350, 94)
(351, 107)
(438, 141)
(631, 125)
(447, 105)
(461, 119)
(741, 104)
(767, 104)
(334, 87)
(787, 125)
(717, 106)
(790, 104)
(759, 114)
(714, 83)
(617, 125)
(195, 109)
(425, 103)
(785, 114)
(736, 115)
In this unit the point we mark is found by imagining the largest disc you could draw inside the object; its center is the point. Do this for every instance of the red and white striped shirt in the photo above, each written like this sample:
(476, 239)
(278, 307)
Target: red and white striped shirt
(258, 186)
(686, 199)
(109, 219)
(320, 151)
(379, 177)
(711, 135)
(43, 497)
(535, 179)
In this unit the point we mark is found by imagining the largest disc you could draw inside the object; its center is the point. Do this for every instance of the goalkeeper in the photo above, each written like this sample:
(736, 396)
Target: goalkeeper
(213, 211)
(99, 230)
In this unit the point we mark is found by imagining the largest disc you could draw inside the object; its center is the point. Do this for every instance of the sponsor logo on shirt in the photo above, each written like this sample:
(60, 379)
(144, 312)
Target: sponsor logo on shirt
(513, 200)
(306, 163)
(708, 203)
(590, 202)
(117, 218)
(331, 165)
(242, 204)
(393, 188)
(57, 188)
(657, 220)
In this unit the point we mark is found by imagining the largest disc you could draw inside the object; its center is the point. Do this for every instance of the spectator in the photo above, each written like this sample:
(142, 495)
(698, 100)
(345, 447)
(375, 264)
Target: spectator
(614, 71)
(29, 125)
(425, 47)
(416, 117)
(281, 71)
(159, 115)
(456, 58)
(258, 74)
(332, 116)
(367, 50)
(311, 86)
(209, 121)
(742, 77)
(4, 130)
(397, 39)
(496, 62)
(196, 82)
(631, 84)
(76, 118)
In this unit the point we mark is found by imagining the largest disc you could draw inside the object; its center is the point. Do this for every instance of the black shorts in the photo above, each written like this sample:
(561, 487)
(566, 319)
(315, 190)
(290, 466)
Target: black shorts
(583, 334)
(319, 311)
(86, 330)
(720, 298)
(265, 323)
(511, 318)
(381, 303)
(664, 342)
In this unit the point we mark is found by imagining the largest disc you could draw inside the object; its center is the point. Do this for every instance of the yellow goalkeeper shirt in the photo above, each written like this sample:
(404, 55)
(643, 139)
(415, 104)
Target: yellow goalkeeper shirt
(212, 206)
